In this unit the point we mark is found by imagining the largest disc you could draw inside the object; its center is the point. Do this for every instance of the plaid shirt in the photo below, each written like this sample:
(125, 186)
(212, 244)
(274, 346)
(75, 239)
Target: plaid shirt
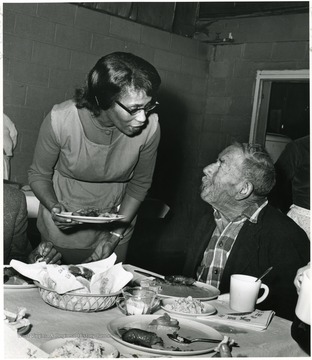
(218, 250)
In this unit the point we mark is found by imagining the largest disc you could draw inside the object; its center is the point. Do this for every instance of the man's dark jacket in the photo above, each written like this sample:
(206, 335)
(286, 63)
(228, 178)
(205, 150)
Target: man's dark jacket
(275, 240)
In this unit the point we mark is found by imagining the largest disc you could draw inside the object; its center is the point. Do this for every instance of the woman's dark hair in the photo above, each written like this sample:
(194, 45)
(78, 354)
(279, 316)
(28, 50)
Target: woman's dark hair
(111, 76)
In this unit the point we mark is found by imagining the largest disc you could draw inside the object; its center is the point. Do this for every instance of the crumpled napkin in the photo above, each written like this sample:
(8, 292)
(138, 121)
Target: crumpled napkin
(108, 278)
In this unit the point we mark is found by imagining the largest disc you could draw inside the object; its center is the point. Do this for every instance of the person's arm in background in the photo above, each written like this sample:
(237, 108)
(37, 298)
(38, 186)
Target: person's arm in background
(16, 242)
(135, 194)
(285, 167)
(20, 246)
(41, 172)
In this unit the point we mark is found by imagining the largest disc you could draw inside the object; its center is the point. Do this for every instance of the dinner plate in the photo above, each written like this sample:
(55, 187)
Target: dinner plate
(16, 285)
(109, 350)
(91, 219)
(198, 290)
(208, 309)
(188, 328)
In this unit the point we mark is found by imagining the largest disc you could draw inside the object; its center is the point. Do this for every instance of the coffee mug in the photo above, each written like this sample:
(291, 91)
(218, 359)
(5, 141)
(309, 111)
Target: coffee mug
(244, 291)
(304, 298)
(136, 301)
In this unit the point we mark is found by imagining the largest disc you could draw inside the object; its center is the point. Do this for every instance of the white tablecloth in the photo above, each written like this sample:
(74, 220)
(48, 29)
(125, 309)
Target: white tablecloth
(49, 323)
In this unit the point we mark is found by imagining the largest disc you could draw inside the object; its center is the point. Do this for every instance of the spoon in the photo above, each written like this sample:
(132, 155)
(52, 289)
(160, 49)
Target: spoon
(265, 273)
(183, 340)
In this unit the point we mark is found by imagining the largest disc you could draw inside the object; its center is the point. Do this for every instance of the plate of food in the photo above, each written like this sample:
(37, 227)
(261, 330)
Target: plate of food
(182, 286)
(79, 348)
(14, 280)
(188, 307)
(92, 216)
(149, 333)
(174, 285)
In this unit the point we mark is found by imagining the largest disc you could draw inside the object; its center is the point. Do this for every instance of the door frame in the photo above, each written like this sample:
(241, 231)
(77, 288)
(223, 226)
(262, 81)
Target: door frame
(260, 107)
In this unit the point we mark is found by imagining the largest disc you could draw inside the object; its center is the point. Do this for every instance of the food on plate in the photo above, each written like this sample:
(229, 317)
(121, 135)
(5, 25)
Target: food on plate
(79, 348)
(79, 270)
(175, 280)
(180, 280)
(164, 322)
(92, 213)
(12, 277)
(141, 337)
(186, 305)
(17, 321)
(180, 286)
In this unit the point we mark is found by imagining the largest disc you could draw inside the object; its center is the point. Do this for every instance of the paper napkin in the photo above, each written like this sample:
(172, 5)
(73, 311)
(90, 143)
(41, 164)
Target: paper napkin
(108, 278)
(257, 320)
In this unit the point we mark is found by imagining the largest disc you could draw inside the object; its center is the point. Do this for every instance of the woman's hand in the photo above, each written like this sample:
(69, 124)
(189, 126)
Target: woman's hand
(104, 249)
(45, 251)
(62, 223)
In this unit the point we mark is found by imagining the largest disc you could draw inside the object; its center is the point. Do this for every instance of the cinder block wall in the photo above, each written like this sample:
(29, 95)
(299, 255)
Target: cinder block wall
(260, 43)
(49, 48)
(206, 94)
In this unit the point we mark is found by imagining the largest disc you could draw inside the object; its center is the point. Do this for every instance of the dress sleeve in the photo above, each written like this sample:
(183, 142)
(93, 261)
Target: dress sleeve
(45, 155)
(144, 170)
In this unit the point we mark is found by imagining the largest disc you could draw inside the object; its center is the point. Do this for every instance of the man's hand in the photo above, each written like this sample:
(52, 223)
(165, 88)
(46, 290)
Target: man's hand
(45, 251)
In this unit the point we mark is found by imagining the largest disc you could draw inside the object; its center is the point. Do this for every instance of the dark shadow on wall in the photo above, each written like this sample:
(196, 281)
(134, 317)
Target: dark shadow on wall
(151, 244)
(173, 117)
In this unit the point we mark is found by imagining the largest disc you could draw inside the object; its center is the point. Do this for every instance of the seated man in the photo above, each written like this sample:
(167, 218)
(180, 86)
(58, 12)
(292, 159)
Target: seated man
(244, 234)
(16, 244)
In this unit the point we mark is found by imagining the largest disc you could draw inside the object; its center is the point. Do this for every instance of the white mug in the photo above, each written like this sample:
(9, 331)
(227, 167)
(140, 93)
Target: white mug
(244, 291)
(304, 299)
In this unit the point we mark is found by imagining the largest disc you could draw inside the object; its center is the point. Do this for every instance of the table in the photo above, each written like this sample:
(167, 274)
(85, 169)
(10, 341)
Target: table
(49, 323)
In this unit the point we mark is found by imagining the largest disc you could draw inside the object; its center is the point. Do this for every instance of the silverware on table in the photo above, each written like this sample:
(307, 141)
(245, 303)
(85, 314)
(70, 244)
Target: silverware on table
(147, 273)
(183, 340)
(265, 273)
(241, 313)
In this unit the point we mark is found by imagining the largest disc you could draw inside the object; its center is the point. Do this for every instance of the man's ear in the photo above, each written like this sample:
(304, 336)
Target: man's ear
(245, 191)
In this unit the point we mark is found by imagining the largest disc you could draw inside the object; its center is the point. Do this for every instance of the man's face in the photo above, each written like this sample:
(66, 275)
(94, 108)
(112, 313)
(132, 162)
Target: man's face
(222, 178)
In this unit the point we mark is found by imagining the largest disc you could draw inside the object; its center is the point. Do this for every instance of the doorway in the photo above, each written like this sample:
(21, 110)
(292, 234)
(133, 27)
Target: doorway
(280, 109)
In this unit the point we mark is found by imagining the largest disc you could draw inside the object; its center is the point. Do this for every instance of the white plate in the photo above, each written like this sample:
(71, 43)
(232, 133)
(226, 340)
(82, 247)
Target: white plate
(188, 328)
(198, 290)
(109, 352)
(208, 309)
(91, 219)
(17, 286)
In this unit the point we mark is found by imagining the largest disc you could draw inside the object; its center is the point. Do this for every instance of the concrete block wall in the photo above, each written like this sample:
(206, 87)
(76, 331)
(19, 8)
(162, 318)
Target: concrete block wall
(260, 43)
(49, 48)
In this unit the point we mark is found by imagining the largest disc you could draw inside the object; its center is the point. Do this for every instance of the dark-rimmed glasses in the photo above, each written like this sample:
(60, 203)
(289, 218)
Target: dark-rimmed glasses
(147, 108)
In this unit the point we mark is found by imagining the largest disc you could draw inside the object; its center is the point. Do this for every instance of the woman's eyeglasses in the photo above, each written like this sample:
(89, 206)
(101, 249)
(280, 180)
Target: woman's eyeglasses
(147, 108)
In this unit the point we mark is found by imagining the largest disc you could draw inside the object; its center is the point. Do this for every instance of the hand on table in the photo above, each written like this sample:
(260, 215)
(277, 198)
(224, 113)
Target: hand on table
(45, 251)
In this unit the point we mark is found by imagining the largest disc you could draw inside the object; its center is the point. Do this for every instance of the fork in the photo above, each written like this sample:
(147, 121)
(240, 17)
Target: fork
(183, 340)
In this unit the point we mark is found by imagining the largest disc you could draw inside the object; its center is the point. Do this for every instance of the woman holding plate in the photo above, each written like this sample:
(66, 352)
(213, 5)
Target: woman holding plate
(98, 151)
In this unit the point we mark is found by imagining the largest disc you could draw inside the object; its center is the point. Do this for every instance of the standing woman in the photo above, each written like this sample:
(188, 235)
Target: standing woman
(98, 151)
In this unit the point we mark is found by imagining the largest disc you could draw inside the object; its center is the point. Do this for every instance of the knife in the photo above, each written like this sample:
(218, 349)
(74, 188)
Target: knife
(241, 313)
(147, 273)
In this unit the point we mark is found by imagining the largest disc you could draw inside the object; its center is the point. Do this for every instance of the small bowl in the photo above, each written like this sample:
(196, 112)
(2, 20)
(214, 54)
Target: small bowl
(120, 302)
